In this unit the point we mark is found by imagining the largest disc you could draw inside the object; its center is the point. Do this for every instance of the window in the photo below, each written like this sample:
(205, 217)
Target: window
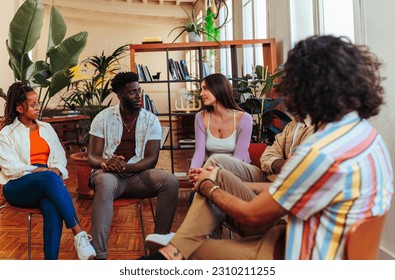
(321, 17)
(338, 22)
(254, 27)
(226, 34)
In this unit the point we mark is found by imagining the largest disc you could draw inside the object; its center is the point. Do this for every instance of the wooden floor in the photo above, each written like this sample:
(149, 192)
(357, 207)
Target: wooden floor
(125, 237)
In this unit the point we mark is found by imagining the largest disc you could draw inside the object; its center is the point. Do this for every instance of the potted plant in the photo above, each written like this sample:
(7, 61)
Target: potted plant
(52, 73)
(89, 96)
(194, 27)
(257, 97)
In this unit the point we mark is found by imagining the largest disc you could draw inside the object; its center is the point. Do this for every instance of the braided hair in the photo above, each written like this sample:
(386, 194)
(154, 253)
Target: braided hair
(16, 95)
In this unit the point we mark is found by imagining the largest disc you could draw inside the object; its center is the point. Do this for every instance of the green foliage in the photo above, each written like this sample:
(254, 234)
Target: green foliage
(210, 27)
(256, 94)
(90, 95)
(52, 73)
(192, 25)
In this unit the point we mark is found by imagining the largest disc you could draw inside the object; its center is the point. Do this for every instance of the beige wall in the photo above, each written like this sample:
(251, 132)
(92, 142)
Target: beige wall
(6, 77)
(377, 19)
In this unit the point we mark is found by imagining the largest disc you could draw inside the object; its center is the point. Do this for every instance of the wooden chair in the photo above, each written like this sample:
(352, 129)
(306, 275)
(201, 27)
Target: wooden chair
(126, 201)
(30, 212)
(363, 239)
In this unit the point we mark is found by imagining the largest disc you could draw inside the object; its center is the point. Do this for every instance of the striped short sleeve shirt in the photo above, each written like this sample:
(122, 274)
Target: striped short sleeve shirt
(339, 175)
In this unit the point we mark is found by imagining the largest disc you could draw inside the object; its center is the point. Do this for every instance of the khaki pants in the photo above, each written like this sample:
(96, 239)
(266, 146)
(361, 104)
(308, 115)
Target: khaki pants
(203, 217)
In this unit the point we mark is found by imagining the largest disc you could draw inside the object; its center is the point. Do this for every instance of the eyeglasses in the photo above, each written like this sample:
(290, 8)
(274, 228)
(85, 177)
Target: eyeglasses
(35, 106)
(135, 92)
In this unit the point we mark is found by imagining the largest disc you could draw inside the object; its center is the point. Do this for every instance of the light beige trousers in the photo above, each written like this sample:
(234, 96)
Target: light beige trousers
(203, 217)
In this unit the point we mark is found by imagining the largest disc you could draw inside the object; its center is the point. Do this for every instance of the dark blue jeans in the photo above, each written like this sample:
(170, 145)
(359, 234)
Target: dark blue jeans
(47, 191)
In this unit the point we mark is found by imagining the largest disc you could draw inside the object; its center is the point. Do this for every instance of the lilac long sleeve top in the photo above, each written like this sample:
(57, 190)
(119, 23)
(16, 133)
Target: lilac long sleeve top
(243, 138)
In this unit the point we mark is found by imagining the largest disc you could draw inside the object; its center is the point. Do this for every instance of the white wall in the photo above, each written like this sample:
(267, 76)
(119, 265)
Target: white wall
(279, 26)
(378, 20)
(9, 8)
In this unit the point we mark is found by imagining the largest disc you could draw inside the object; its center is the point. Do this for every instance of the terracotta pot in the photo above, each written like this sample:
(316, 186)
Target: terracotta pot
(83, 169)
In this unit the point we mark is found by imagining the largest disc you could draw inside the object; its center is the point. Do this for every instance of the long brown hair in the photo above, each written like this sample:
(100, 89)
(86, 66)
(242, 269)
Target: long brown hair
(16, 95)
(221, 88)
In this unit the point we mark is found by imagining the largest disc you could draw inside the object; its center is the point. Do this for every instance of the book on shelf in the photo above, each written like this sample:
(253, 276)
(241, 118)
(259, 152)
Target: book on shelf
(165, 134)
(149, 76)
(186, 143)
(181, 175)
(153, 107)
(172, 69)
(184, 68)
(179, 72)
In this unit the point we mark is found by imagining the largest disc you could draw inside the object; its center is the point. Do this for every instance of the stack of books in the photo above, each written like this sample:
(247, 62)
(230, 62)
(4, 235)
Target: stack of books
(178, 69)
(186, 143)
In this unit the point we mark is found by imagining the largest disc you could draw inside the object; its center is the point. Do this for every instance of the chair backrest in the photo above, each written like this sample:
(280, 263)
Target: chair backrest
(255, 151)
(363, 239)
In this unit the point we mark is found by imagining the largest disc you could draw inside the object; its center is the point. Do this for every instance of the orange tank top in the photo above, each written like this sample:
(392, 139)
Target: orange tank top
(39, 149)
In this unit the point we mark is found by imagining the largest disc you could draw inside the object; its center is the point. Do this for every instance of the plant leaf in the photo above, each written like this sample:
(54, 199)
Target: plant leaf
(59, 81)
(15, 63)
(66, 54)
(25, 27)
(254, 103)
(38, 73)
(57, 29)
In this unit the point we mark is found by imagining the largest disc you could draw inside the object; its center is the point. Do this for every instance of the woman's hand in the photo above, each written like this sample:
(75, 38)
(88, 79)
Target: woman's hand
(53, 169)
(56, 170)
(210, 172)
(40, 169)
(193, 174)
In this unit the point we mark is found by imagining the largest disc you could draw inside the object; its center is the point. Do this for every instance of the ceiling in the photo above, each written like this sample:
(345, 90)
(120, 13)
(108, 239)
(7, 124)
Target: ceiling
(155, 8)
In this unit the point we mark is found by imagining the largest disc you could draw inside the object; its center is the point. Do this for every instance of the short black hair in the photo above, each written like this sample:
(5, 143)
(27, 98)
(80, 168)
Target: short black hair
(327, 77)
(123, 78)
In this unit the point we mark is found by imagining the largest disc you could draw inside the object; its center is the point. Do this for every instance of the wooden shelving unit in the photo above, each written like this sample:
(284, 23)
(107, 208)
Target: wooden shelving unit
(269, 58)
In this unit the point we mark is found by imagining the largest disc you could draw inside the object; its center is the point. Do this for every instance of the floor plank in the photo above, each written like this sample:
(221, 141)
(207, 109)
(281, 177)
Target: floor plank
(125, 235)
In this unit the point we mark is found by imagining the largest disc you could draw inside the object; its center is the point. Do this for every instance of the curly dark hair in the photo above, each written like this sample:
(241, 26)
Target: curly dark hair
(327, 77)
(16, 95)
(221, 88)
(123, 78)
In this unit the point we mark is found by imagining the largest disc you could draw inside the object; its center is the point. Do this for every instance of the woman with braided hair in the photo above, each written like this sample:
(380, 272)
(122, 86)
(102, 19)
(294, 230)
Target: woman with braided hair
(33, 167)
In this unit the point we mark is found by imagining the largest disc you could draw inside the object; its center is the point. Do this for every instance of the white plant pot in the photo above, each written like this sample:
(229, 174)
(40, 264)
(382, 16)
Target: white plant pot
(193, 37)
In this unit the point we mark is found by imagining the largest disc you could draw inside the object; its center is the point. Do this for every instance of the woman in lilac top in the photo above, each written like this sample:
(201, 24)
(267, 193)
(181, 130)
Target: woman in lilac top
(222, 127)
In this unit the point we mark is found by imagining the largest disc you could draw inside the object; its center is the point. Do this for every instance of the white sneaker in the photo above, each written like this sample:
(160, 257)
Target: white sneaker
(156, 241)
(83, 246)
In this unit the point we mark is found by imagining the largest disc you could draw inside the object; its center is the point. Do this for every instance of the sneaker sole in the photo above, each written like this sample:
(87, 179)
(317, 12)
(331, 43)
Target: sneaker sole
(91, 257)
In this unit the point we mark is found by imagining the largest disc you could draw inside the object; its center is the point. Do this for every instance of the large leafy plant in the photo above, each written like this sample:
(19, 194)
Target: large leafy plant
(257, 98)
(52, 73)
(90, 95)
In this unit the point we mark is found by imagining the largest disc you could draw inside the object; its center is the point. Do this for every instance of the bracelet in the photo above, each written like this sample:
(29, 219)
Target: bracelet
(206, 179)
(211, 192)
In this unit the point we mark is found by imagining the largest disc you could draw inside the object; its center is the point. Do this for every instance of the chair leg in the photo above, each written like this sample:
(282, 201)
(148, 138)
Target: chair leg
(29, 235)
(142, 226)
(152, 209)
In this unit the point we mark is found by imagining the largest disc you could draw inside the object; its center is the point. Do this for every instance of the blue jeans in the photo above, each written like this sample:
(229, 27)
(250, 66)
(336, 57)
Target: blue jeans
(47, 191)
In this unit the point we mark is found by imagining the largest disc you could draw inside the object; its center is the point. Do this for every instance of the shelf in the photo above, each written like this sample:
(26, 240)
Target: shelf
(269, 58)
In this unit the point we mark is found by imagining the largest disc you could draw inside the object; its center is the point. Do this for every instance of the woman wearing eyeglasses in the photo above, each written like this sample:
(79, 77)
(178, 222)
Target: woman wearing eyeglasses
(33, 167)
